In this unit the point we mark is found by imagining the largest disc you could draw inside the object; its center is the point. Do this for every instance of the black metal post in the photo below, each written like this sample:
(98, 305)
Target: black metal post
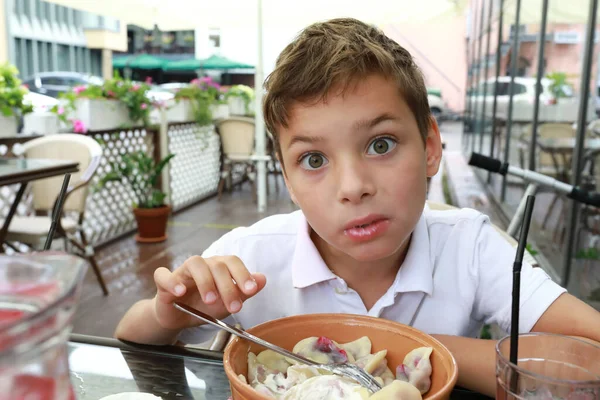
(485, 85)
(470, 92)
(479, 43)
(538, 85)
(584, 95)
(478, 79)
(495, 103)
(513, 72)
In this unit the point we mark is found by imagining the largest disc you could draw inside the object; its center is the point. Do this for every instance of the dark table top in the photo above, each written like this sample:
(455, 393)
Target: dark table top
(103, 366)
(17, 170)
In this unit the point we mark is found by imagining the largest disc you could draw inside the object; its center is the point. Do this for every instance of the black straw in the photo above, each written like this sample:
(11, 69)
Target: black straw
(516, 290)
(57, 211)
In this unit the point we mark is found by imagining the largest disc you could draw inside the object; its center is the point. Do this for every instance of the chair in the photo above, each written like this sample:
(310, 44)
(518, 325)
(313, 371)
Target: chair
(237, 140)
(32, 230)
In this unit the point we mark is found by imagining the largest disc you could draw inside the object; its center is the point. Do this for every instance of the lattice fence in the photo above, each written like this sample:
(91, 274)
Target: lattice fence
(108, 212)
(8, 193)
(194, 171)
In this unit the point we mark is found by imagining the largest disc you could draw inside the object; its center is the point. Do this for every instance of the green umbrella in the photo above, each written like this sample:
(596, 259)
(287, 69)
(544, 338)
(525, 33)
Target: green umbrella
(213, 62)
(142, 61)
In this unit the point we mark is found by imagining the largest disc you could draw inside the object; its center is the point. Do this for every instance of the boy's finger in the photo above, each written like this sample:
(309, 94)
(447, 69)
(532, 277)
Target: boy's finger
(229, 292)
(167, 283)
(200, 272)
(241, 276)
(260, 280)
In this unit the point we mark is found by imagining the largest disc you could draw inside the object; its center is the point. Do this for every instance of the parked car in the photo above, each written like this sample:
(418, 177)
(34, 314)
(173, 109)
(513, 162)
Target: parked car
(563, 108)
(436, 103)
(54, 83)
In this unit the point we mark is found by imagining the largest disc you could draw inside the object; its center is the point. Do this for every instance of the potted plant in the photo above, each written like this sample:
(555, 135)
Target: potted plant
(115, 103)
(240, 98)
(12, 96)
(141, 173)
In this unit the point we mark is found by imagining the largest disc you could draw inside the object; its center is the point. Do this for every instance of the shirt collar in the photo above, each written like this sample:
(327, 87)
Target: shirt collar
(415, 275)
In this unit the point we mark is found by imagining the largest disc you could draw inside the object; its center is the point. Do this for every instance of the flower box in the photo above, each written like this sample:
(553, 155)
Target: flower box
(237, 106)
(219, 111)
(103, 114)
(180, 111)
(41, 123)
(8, 126)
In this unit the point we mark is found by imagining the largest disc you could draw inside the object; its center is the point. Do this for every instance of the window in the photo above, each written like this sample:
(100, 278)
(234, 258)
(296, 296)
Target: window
(214, 39)
(26, 8)
(53, 81)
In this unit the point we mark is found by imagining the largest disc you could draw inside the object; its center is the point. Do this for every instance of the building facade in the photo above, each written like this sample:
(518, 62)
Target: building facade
(38, 36)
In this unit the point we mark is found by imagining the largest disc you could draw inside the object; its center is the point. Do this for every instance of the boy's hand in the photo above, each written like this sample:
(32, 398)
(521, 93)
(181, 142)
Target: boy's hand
(217, 286)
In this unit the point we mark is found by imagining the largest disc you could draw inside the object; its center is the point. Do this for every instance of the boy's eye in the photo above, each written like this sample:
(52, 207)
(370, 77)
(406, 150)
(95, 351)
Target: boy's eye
(313, 161)
(381, 146)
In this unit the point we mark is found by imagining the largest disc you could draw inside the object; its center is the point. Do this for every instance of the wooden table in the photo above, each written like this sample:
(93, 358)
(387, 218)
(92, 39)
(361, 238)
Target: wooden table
(24, 170)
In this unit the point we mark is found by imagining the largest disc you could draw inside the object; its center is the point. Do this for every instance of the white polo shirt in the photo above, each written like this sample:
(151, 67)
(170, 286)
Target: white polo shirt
(457, 275)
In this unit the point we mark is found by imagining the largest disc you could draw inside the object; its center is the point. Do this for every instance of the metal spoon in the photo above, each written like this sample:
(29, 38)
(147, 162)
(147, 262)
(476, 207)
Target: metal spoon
(347, 370)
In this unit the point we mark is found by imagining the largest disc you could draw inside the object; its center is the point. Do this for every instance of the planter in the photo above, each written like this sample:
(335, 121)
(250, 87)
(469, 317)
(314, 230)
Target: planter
(152, 224)
(180, 111)
(8, 126)
(219, 111)
(103, 114)
(41, 123)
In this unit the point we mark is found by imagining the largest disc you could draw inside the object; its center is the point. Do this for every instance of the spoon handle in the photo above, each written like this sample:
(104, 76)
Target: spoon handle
(243, 334)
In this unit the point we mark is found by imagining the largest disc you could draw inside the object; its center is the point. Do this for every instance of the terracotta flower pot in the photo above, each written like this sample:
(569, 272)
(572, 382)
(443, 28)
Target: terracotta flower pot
(152, 224)
(398, 339)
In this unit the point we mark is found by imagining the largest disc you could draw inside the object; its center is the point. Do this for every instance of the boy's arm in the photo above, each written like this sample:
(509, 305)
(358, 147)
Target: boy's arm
(476, 358)
(140, 325)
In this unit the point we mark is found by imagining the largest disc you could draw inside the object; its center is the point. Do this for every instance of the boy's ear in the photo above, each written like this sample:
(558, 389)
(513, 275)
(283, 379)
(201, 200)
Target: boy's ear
(433, 148)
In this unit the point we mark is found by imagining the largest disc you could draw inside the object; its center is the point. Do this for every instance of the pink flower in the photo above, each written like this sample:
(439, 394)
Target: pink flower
(206, 79)
(78, 89)
(148, 80)
(61, 110)
(79, 126)
(143, 106)
(135, 87)
(159, 104)
(195, 81)
(110, 93)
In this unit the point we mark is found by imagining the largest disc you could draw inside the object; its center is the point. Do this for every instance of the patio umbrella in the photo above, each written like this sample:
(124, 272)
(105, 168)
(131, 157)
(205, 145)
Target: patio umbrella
(214, 62)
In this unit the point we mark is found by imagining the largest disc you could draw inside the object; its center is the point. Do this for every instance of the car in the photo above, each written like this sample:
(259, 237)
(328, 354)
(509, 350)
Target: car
(563, 108)
(436, 105)
(54, 83)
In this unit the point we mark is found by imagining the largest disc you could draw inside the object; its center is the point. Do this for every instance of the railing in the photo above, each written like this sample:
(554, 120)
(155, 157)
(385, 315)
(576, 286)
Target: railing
(192, 175)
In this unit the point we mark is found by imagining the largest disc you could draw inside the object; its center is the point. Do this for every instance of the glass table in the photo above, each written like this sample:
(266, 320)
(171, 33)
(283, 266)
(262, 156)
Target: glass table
(104, 366)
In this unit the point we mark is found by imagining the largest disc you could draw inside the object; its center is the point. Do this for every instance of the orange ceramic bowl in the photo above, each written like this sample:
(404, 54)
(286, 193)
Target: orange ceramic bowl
(398, 339)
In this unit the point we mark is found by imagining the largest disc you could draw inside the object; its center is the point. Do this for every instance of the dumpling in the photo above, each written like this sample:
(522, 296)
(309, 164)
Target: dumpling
(272, 360)
(373, 362)
(397, 390)
(321, 350)
(416, 369)
(300, 373)
(359, 348)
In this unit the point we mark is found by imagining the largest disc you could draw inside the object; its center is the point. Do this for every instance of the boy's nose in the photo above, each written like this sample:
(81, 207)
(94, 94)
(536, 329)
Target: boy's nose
(354, 182)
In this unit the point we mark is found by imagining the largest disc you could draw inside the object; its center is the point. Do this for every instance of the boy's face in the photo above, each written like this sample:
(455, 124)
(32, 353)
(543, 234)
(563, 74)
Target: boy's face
(357, 167)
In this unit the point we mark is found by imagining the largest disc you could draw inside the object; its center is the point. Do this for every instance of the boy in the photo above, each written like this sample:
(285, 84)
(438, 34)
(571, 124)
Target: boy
(348, 109)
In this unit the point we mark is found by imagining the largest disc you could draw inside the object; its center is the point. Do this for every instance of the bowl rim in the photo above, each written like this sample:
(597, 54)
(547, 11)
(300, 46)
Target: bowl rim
(451, 381)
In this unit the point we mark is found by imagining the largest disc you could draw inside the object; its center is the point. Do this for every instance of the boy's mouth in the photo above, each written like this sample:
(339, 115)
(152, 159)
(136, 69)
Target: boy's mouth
(367, 228)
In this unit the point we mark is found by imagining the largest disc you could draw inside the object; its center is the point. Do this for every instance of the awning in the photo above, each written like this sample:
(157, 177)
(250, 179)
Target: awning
(214, 62)
(141, 61)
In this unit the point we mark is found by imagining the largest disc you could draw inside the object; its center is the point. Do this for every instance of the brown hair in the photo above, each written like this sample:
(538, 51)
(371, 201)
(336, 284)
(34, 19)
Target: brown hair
(337, 51)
